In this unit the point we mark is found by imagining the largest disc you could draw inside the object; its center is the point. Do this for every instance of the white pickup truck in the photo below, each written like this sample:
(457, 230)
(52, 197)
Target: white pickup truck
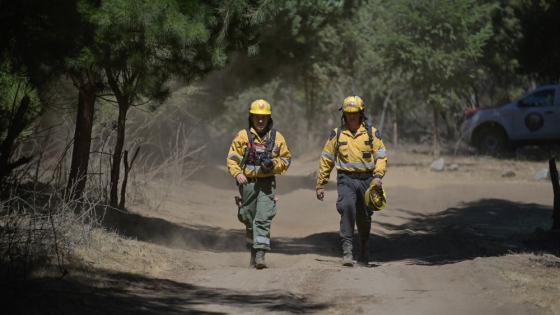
(534, 118)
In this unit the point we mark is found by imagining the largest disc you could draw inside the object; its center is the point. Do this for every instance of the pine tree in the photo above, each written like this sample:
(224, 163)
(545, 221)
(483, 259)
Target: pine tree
(139, 46)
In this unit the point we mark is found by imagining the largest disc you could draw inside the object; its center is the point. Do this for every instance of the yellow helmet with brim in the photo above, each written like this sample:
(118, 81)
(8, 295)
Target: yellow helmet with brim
(375, 197)
(353, 104)
(260, 107)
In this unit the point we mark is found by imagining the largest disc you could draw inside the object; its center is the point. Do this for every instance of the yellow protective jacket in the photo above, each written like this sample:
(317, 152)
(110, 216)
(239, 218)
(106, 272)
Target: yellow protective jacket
(355, 154)
(281, 156)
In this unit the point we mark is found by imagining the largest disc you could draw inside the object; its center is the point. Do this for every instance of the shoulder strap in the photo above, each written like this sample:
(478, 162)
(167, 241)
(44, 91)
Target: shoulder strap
(369, 128)
(272, 137)
(338, 131)
(250, 136)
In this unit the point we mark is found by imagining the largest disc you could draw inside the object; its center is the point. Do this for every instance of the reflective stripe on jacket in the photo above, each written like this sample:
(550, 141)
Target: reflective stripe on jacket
(355, 154)
(280, 155)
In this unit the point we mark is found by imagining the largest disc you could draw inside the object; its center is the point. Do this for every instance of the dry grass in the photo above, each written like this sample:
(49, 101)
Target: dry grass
(534, 279)
(109, 251)
(40, 232)
(41, 229)
(37, 228)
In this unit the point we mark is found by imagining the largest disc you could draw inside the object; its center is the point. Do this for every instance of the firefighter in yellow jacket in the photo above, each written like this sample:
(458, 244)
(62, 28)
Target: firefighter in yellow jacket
(357, 152)
(256, 155)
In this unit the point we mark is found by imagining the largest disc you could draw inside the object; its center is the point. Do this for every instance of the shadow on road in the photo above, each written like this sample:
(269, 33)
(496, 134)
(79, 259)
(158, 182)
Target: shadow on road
(173, 235)
(119, 293)
(488, 227)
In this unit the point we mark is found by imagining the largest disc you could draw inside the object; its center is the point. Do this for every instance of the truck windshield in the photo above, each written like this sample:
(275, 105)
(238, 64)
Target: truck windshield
(542, 98)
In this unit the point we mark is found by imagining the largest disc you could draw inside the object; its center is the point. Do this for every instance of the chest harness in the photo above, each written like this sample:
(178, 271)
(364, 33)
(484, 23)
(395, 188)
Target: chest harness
(257, 153)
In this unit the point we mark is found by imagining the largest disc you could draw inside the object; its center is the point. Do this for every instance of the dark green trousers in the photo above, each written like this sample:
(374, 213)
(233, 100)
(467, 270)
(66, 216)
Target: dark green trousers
(257, 211)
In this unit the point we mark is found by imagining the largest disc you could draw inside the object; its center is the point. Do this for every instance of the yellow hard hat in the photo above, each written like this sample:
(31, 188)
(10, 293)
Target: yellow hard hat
(375, 197)
(353, 104)
(260, 107)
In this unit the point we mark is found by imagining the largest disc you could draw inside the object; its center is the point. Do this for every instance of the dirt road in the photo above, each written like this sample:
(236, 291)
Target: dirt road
(445, 244)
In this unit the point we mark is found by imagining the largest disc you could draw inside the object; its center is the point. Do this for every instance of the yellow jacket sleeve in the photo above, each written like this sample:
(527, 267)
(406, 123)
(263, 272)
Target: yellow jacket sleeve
(236, 153)
(327, 160)
(379, 155)
(281, 155)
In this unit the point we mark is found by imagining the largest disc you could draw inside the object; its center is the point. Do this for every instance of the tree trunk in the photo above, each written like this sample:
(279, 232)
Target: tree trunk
(395, 135)
(127, 168)
(123, 101)
(436, 133)
(82, 138)
(115, 170)
(311, 115)
(395, 125)
(385, 103)
(125, 181)
(556, 190)
(308, 88)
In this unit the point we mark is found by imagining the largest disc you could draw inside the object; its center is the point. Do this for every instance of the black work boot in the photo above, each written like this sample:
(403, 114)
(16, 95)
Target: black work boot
(347, 259)
(259, 259)
(252, 263)
(363, 258)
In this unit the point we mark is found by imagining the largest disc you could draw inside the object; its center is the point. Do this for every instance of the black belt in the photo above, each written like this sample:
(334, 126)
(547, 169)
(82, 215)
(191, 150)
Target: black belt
(259, 179)
(357, 175)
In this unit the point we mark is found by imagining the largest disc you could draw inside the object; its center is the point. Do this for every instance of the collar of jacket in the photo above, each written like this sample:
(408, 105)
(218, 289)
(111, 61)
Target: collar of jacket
(360, 130)
(257, 137)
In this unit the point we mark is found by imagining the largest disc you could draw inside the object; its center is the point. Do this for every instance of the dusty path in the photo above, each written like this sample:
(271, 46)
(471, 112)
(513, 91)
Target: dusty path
(438, 248)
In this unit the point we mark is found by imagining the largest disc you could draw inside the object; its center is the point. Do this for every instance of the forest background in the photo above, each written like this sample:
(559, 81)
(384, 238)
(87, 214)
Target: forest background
(89, 88)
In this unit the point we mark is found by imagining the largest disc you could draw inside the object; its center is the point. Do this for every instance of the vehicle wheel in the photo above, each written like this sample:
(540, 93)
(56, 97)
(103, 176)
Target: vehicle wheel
(491, 141)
